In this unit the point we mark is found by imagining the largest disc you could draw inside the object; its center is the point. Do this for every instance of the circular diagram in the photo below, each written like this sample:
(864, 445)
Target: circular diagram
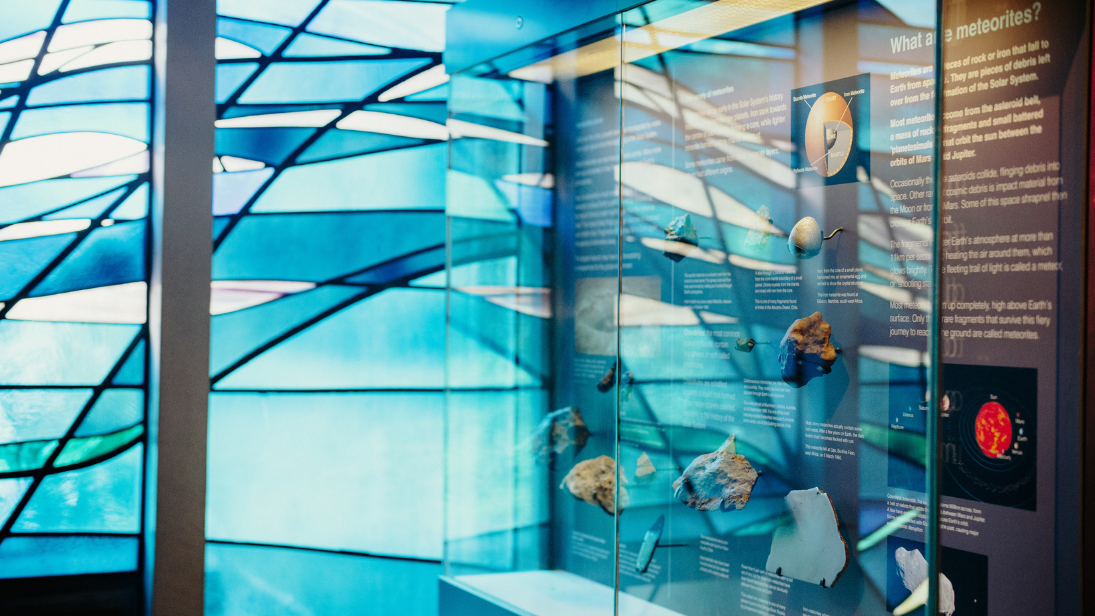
(992, 429)
(829, 134)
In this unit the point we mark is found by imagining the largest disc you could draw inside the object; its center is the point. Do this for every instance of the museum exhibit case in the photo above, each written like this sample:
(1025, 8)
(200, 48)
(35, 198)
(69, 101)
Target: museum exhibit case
(716, 344)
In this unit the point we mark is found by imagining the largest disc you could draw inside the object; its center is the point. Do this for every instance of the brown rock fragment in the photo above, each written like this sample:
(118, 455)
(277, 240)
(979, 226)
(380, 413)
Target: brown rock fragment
(805, 351)
(594, 481)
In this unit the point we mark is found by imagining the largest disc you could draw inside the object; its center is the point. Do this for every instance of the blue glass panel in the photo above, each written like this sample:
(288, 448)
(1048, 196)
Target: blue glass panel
(11, 491)
(4, 118)
(135, 206)
(108, 255)
(440, 93)
(274, 581)
(126, 119)
(36, 353)
(39, 414)
(263, 37)
(24, 259)
(232, 76)
(270, 145)
(406, 268)
(237, 111)
(352, 350)
(219, 224)
(231, 191)
(335, 143)
(488, 97)
(434, 113)
(92, 208)
(30, 16)
(132, 371)
(30, 200)
(533, 203)
(317, 82)
(320, 247)
(101, 498)
(9, 102)
(238, 333)
(115, 409)
(265, 449)
(286, 12)
(111, 84)
(404, 179)
(407, 25)
(24, 557)
(305, 45)
(81, 10)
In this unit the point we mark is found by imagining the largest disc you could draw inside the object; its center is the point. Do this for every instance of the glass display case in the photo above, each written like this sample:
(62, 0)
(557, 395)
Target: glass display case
(691, 253)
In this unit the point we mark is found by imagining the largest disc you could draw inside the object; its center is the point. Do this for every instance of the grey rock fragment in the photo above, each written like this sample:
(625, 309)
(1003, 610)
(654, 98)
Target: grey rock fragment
(722, 479)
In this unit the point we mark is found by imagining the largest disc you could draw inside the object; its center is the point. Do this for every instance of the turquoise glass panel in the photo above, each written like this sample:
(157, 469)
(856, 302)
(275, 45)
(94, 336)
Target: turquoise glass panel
(406, 25)
(114, 410)
(231, 191)
(25, 557)
(241, 332)
(30, 200)
(487, 97)
(126, 119)
(434, 113)
(237, 111)
(315, 82)
(9, 102)
(132, 371)
(34, 353)
(81, 10)
(219, 224)
(403, 179)
(320, 247)
(276, 581)
(39, 414)
(263, 37)
(135, 205)
(230, 77)
(11, 491)
(337, 143)
(23, 260)
(285, 12)
(440, 93)
(311, 45)
(270, 145)
(101, 498)
(263, 485)
(5, 117)
(31, 16)
(109, 255)
(92, 208)
(111, 84)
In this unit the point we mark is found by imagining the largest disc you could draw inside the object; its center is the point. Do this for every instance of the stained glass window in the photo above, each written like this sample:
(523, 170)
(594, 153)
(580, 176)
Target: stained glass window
(75, 89)
(328, 307)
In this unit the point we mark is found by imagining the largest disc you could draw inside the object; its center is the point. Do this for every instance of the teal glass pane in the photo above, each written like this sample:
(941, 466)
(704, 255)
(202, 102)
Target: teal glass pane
(100, 498)
(231, 191)
(285, 12)
(115, 410)
(440, 93)
(39, 414)
(135, 205)
(230, 77)
(9, 102)
(305, 45)
(82, 10)
(320, 247)
(270, 145)
(237, 111)
(403, 179)
(337, 143)
(30, 200)
(263, 487)
(86, 448)
(317, 82)
(35, 353)
(92, 208)
(28, 456)
(219, 224)
(351, 349)
(263, 37)
(111, 84)
(272, 581)
(4, 118)
(31, 16)
(239, 333)
(24, 259)
(11, 491)
(132, 371)
(405, 25)
(126, 119)
(25, 557)
(109, 255)
(432, 112)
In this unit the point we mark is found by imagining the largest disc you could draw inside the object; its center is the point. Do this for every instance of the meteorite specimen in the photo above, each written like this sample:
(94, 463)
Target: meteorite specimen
(745, 344)
(608, 380)
(760, 229)
(805, 239)
(557, 431)
(594, 481)
(650, 541)
(644, 468)
(805, 351)
(681, 229)
(807, 544)
(722, 479)
(913, 569)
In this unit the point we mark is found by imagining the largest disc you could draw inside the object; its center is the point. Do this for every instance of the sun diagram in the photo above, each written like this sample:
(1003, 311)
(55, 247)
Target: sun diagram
(992, 429)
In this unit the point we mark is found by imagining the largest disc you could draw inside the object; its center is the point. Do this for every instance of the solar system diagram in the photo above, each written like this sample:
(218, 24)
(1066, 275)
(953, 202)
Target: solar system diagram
(829, 121)
(988, 426)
